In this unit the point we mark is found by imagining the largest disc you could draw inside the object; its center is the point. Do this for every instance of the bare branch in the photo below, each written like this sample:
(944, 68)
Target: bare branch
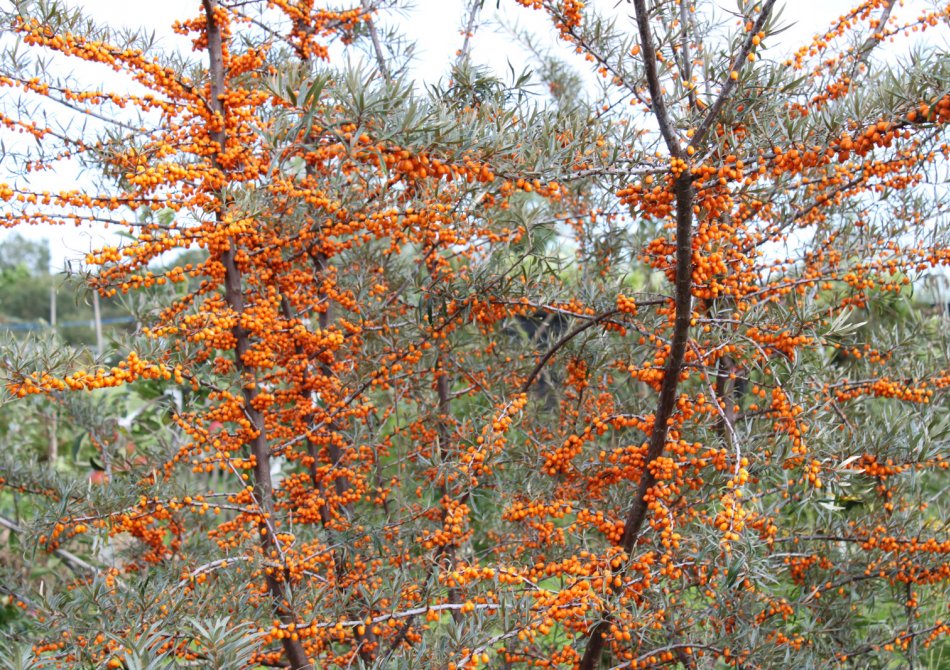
(657, 101)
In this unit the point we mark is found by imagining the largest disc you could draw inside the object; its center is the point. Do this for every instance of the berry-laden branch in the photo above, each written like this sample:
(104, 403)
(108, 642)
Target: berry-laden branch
(234, 294)
(684, 195)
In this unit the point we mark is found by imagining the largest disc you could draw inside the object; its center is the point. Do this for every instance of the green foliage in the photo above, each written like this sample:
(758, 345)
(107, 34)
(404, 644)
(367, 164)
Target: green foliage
(23, 256)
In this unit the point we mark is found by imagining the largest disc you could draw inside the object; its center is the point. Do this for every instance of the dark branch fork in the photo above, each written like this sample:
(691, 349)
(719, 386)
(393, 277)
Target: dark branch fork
(684, 194)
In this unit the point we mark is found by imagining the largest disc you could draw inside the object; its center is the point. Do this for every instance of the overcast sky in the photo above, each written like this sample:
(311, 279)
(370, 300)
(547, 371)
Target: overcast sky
(433, 24)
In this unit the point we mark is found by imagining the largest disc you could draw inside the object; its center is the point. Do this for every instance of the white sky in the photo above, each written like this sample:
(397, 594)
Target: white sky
(435, 27)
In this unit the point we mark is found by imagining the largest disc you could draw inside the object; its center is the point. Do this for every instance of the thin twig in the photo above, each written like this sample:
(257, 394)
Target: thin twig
(560, 343)
(737, 64)
(377, 45)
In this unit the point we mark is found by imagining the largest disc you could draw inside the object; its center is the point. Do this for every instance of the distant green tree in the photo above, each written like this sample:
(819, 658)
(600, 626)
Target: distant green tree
(25, 305)
(21, 255)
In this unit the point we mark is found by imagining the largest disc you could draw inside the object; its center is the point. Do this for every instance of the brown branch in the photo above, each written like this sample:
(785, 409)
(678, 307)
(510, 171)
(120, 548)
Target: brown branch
(234, 294)
(864, 52)
(657, 101)
(687, 69)
(377, 46)
(667, 400)
(727, 415)
(683, 189)
(340, 484)
(319, 262)
(446, 556)
(313, 449)
(475, 7)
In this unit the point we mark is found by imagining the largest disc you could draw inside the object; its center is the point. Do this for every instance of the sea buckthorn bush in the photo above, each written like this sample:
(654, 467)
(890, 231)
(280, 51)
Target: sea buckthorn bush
(509, 373)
